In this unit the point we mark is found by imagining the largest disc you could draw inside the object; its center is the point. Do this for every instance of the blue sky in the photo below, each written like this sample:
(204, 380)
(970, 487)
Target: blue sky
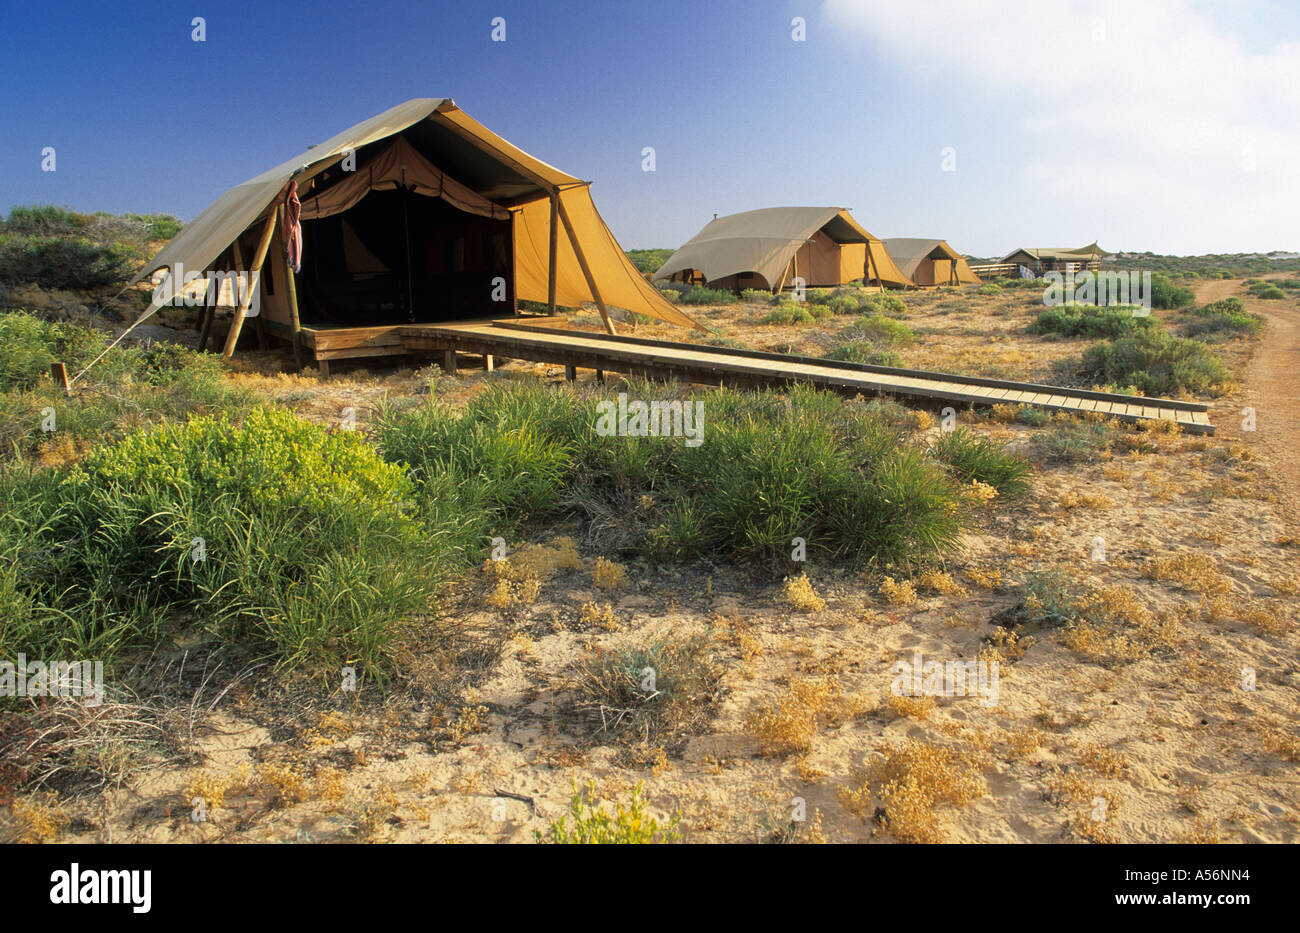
(1169, 126)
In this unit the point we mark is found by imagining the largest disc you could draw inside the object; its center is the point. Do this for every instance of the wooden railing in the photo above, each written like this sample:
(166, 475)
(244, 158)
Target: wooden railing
(997, 270)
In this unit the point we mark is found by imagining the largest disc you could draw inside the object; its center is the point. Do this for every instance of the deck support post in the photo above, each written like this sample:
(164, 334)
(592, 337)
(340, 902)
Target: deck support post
(600, 376)
(570, 372)
(489, 364)
(449, 362)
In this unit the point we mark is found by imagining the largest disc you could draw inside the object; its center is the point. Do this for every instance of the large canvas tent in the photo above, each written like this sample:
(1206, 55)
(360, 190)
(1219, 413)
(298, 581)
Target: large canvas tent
(1047, 258)
(418, 215)
(930, 262)
(771, 247)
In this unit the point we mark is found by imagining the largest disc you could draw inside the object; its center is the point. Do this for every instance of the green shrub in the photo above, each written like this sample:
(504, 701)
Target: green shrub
(1155, 363)
(592, 824)
(1091, 321)
(971, 457)
(862, 351)
(989, 288)
(63, 263)
(671, 294)
(788, 312)
(819, 296)
(700, 295)
(1226, 318)
(1075, 441)
(45, 220)
(883, 303)
(679, 703)
(307, 544)
(879, 331)
(820, 312)
(128, 388)
(1165, 294)
(648, 260)
(843, 304)
(1271, 293)
(756, 295)
(798, 464)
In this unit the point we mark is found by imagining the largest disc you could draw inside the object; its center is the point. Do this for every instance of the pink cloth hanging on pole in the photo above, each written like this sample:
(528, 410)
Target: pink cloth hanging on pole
(292, 232)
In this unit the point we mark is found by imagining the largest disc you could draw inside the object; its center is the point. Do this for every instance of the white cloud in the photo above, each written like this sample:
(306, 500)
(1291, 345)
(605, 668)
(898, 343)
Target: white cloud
(1150, 127)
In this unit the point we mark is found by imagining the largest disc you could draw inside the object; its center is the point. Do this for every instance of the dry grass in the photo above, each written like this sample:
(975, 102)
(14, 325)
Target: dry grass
(598, 614)
(39, 818)
(608, 575)
(939, 582)
(913, 779)
(800, 594)
(788, 723)
(898, 594)
(1191, 570)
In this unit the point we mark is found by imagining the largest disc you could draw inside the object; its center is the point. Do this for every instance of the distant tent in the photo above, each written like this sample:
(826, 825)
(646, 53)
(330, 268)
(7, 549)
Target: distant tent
(1045, 259)
(930, 262)
(420, 214)
(769, 248)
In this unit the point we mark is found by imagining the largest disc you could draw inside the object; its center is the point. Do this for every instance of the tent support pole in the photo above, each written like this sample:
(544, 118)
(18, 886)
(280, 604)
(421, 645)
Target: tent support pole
(514, 283)
(291, 290)
(258, 258)
(209, 312)
(582, 263)
(870, 263)
(555, 242)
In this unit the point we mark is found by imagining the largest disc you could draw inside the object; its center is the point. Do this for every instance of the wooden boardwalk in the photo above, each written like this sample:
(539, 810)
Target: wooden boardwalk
(529, 339)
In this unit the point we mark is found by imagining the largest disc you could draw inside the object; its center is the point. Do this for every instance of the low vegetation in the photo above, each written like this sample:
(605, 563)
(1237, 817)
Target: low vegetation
(1219, 320)
(1092, 321)
(1155, 363)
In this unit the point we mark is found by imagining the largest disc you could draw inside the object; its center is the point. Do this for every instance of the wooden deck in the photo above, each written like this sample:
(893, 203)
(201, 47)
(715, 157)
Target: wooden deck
(539, 340)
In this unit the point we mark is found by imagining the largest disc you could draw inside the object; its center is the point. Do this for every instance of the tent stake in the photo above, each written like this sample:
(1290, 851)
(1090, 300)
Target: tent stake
(582, 263)
(59, 373)
(237, 324)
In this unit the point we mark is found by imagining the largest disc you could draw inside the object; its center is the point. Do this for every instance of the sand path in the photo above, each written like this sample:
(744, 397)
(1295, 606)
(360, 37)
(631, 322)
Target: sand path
(1272, 388)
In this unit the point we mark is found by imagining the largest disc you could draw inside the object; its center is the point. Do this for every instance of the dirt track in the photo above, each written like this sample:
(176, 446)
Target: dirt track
(1272, 388)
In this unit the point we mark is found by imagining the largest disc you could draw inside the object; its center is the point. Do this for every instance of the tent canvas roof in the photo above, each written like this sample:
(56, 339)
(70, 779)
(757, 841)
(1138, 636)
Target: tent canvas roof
(763, 242)
(1092, 251)
(907, 252)
(476, 157)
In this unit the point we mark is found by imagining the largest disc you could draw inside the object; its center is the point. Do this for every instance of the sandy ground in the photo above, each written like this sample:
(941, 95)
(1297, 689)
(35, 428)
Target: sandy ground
(1272, 389)
(1175, 722)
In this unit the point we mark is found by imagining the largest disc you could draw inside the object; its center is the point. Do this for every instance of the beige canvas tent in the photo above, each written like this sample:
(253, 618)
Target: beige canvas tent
(771, 247)
(930, 262)
(1046, 258)
(418, 215)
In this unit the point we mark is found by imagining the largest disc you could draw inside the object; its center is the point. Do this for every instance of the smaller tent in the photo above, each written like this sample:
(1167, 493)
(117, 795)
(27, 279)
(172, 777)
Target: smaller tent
(930, 262)
(1046, 258)
(771, 247)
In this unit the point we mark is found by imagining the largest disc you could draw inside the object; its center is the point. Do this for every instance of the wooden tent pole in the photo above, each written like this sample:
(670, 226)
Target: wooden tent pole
(514, 277)
(291, 290)
(209, 313)
(555, 240)
(870, 263)
(258, 258)
(582, 264)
